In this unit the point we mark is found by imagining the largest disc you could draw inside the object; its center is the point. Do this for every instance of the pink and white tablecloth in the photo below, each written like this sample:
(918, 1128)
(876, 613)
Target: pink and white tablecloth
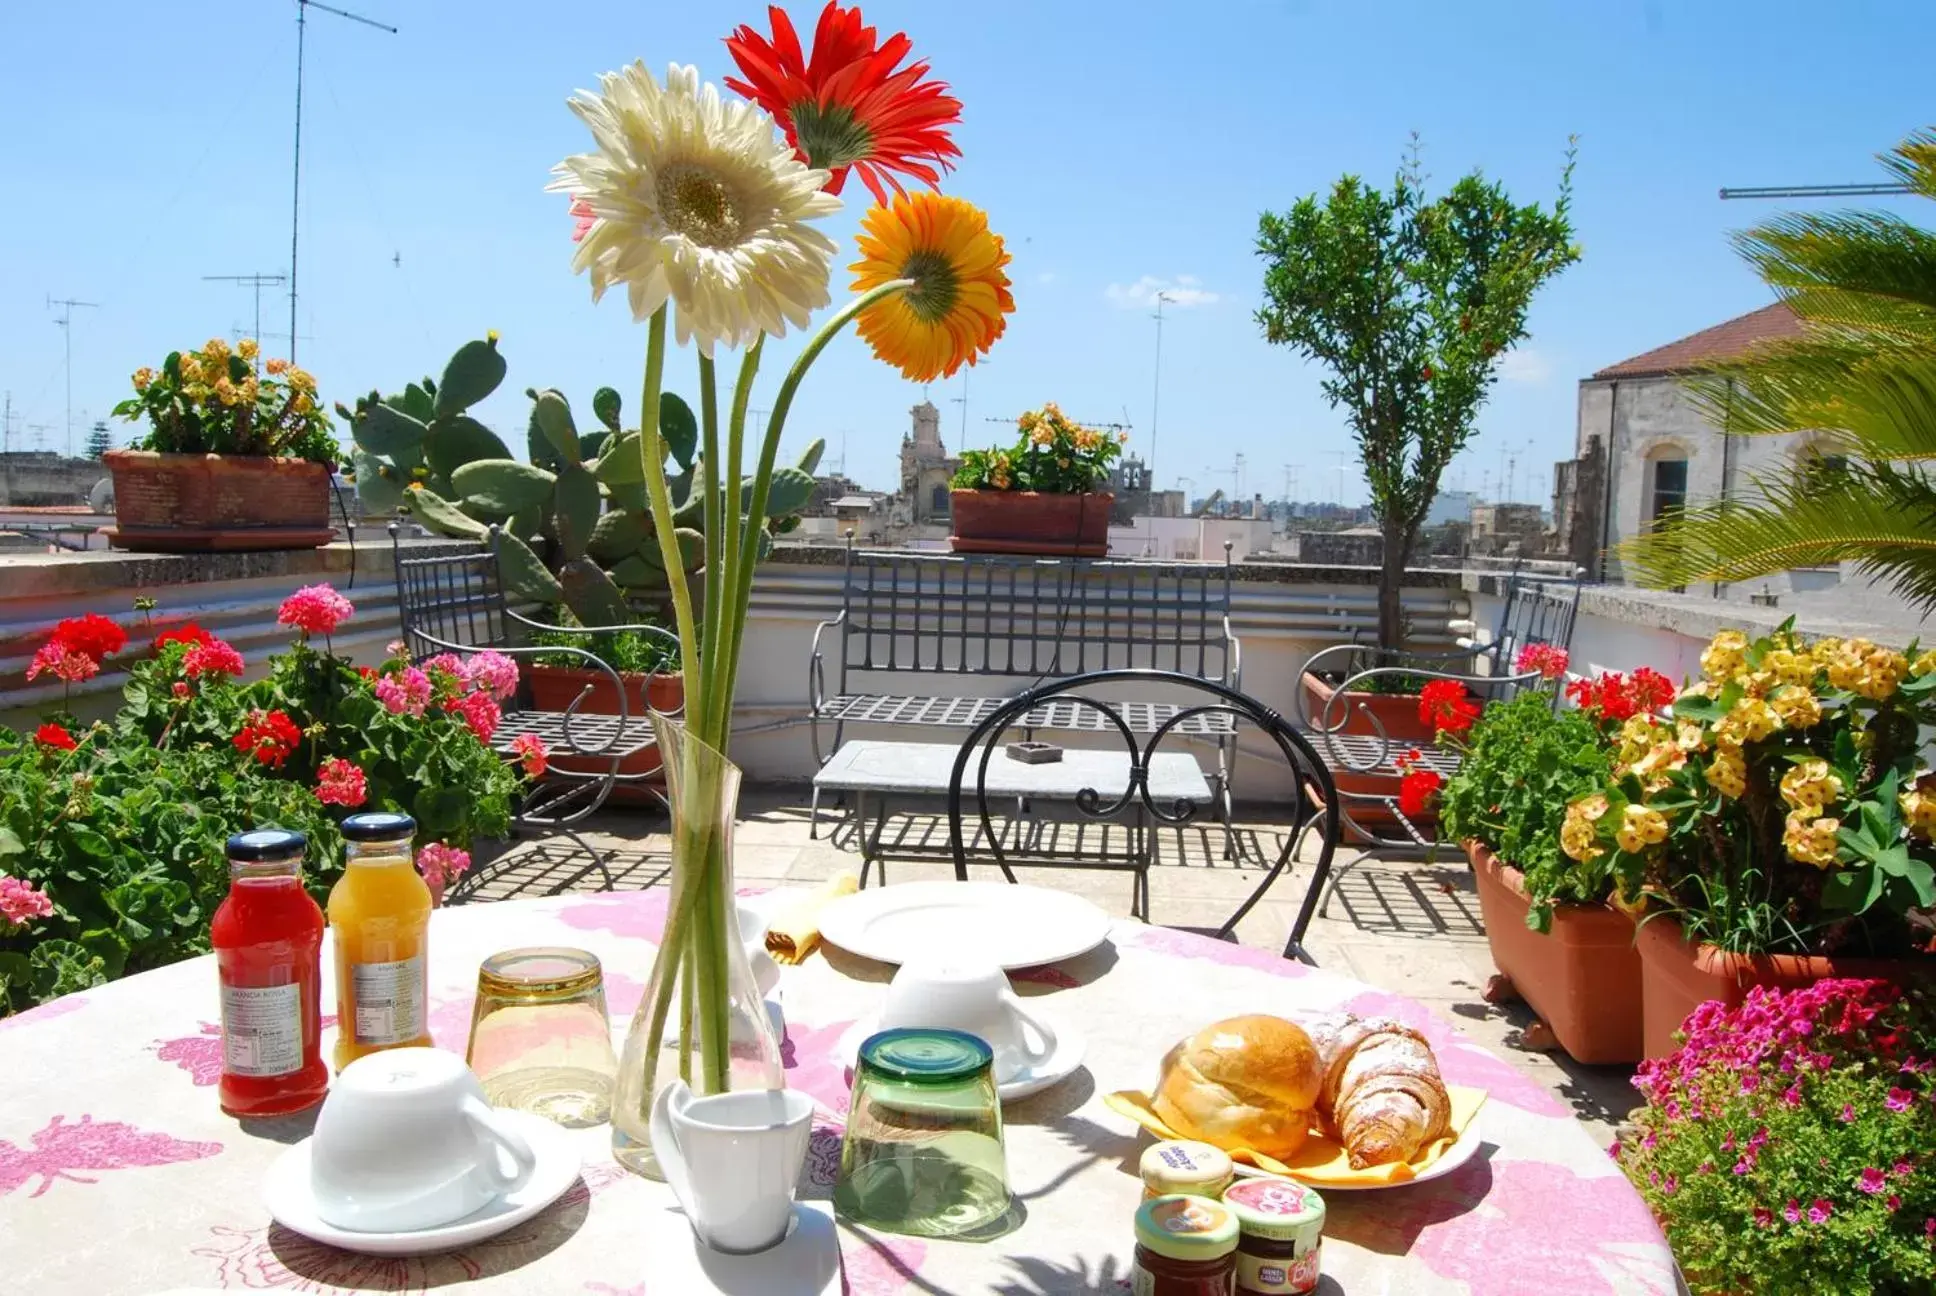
(119, 1175)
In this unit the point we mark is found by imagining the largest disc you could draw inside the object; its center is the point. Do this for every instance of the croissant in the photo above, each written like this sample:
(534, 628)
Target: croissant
(1382, 1094)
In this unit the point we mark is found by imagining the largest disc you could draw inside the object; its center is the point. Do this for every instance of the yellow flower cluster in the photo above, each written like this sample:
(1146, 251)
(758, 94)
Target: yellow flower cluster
(216, 350)
(1651, 752)
(1919, 807)
(246, 348)
(1580, 833)
(1810, 785)
(1797, 706)
(1810, 839)
(1726, 657)
(1727, 772)
(1640, 826)
(1924, 664)
(144, 378)
(1863, 668)
(275, 365)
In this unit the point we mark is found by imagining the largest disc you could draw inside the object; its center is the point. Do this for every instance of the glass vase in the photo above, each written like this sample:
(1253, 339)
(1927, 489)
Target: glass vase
(703, 1019)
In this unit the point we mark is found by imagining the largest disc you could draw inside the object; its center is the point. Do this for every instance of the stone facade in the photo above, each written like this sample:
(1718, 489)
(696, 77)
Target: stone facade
(927, 469)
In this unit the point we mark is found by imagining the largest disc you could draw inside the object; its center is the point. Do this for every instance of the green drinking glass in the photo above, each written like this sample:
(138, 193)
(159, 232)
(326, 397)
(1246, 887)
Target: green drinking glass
(923, 1153)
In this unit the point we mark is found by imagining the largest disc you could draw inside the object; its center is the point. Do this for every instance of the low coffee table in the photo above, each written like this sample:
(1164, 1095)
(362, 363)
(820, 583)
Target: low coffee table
(875, 772)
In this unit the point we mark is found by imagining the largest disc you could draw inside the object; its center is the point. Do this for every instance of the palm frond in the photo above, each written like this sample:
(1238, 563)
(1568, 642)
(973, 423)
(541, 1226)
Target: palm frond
(1914, 162)
(1862, 270)
(1880, 517)
(1878, 397)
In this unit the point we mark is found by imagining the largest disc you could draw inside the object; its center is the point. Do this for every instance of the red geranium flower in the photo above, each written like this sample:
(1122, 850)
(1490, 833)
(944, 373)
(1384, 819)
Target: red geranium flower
(314, 609)
(339, 782)
(53, 735)
(269, 736)
(1444, 705)
(212, 656)
(1548, 659)
(65, 661)
(1651, 689)
(848, 105)
(1416, 790)
(92, 635)
(187, 632)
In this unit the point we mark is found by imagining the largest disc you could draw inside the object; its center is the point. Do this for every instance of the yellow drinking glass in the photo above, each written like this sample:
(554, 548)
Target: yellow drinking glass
(540, 1041)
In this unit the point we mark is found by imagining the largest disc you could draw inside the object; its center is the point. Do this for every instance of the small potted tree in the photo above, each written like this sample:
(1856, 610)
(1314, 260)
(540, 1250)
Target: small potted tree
(1046, 494)
(1777, 828)
(234, 457)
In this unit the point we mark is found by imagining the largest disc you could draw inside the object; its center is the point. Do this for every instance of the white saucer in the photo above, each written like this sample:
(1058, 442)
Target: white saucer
(1059, 1066)
(805, 1263)
(286, 1193)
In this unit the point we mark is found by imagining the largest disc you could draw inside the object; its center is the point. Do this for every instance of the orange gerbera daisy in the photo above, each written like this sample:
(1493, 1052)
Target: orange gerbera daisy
(848, 105)
(959, 302)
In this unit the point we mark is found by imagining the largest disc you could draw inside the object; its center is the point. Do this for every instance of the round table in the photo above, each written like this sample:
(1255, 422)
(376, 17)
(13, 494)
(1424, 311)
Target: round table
(120, 1176)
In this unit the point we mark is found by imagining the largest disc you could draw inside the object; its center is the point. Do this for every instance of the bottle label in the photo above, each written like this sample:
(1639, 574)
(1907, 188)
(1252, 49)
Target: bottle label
(262, 1031)
(389, 1000)
(1275, 1277)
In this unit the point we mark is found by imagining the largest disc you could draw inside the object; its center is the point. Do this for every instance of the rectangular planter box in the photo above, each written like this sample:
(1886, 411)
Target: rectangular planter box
(189, 503)
(1030, 522)
(555, 688)
(1678, 976)
(1582, 977)
(1397, 715)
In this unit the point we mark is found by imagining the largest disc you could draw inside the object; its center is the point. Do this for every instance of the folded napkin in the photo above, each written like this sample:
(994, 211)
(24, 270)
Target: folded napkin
(1322, 1162)
(793, 933)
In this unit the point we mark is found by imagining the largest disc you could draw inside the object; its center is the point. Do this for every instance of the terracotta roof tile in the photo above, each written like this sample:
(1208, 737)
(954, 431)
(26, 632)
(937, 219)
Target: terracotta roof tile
(1698, 351)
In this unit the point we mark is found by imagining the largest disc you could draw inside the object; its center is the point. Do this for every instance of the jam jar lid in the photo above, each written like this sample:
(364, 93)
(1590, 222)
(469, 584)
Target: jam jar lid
(1181, 1226)
(1185, 1165)
(1281, 1209)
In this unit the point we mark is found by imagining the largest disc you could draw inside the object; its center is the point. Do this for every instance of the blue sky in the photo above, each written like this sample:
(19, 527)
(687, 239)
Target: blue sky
(1119, 147)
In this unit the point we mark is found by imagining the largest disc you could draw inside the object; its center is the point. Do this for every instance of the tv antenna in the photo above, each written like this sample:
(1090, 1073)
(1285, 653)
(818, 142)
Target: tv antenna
(256, 281)
(1815, 191)
(1156, 381)
(66, 324)
(295, 201)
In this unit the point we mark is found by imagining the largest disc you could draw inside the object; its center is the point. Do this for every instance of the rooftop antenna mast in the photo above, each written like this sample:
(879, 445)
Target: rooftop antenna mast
(256, 281)
(66, 323)
(1156, 382)
(1814, 191)
(295, 201)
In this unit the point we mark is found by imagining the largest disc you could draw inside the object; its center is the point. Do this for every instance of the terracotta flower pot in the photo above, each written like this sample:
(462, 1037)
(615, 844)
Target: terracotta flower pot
(1030, 522)
(1397, 713)
(1582, 977)
(189, 503)
(1677, 976)
(555, 688)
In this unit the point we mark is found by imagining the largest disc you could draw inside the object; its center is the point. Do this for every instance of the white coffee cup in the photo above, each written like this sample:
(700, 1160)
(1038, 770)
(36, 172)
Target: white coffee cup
(733, 1161)
(966, 993)
(405, 1141)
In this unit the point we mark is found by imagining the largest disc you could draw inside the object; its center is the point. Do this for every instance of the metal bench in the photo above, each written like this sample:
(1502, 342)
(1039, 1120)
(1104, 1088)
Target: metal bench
(912, 624)
(452, 601)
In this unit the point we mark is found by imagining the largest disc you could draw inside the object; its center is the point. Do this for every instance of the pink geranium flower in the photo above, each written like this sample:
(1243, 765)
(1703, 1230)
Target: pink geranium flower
(1899, 1100)
(21, 902)
(1872, 1181)
(405, 693)
(493, 672)
(1820, 1209)
(531, 753)
(64, 662)
(339, 782)
(212, 657)
(1548, 659)
(479, 712)
(439, 863)
(315, 609)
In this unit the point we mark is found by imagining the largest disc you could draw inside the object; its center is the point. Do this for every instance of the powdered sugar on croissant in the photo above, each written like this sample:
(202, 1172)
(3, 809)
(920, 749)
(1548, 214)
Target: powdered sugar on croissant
(1382, 1093)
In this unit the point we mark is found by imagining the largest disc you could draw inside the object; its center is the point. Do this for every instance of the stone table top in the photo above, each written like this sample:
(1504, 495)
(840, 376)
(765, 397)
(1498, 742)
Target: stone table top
(870, 765)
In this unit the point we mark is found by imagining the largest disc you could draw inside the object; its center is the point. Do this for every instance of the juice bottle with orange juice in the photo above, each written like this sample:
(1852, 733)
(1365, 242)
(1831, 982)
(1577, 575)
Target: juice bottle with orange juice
(379, 914)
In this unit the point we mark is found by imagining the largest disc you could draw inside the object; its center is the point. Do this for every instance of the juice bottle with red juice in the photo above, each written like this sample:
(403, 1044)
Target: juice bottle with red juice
(268, 940)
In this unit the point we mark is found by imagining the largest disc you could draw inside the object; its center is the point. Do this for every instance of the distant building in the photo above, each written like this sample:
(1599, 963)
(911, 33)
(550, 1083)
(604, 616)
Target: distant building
(1643, 449)
(826, 490)
(927, 471)
(1507, 530)
(42, 479)
(1451, 506)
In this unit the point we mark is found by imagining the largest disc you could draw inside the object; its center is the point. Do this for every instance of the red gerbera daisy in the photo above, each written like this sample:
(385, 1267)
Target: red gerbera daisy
(850, 104)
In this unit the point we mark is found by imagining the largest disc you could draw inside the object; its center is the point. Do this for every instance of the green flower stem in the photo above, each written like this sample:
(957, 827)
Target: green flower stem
(735, 522)
(709, 420)
(742, 592)
(652, 454)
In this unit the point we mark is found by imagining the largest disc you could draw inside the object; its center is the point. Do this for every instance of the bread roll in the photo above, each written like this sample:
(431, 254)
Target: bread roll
(1243, 1082)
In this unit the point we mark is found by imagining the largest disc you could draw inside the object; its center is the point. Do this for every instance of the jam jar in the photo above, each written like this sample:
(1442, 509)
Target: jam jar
(1185, 1246)
(1184, 1166)
(1281, 1229)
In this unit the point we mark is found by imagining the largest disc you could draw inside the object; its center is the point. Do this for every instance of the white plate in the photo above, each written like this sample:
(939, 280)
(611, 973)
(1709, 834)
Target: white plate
(1057, 1067)
(286, 1193)
(1463, 1149)
(1015, 926)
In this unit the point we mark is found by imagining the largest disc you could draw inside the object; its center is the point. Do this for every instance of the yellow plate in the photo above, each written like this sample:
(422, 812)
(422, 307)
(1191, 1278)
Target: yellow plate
(1322, 1162)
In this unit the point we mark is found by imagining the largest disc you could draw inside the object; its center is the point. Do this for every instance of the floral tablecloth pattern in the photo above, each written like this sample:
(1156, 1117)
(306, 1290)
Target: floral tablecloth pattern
(119, 1175)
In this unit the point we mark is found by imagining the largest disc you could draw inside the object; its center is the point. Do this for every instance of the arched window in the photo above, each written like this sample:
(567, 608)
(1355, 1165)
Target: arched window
(939, 500)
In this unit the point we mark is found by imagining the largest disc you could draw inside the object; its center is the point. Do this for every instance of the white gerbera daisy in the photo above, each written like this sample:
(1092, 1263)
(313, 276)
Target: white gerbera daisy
(698, 199)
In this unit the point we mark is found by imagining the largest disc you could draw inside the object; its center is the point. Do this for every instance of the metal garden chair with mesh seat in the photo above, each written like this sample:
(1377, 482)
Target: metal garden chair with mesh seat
(1138, 781)
(1354, 739)
(452, 601)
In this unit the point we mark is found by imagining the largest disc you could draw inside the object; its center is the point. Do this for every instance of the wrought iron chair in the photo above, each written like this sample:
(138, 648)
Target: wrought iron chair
(1312, 806)
(1354, 738)
(452, 601)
